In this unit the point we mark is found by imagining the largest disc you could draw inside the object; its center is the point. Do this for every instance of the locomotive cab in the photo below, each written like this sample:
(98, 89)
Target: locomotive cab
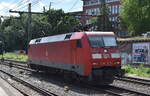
(105, 57)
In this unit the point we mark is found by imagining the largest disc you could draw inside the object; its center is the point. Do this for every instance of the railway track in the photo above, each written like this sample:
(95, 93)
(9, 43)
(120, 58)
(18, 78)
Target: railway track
(37, 89)
(116, 91)
(135, 80)
(23, 65)
(119, 91)
(21, 62)
(110, 89)
(17, 64)
(23, 93)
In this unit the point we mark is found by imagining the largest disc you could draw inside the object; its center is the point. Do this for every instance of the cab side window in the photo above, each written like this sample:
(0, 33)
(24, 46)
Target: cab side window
(38, 40)
(68, 36)
(79, 44)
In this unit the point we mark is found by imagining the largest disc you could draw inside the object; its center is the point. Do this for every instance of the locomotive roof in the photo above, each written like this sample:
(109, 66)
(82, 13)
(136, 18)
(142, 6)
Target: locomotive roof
(100, 33)
(67, 36)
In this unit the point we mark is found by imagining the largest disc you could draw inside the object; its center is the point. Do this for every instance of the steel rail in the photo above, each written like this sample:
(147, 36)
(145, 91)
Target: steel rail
(109, 87)
(117, 91)
(17, 63)
(134, 80)
(38, 89)
(19, 67)
(127, 90)
(110, 92)
(99, 88)
(23, 62)
(139, 79)
(107, 91)
(23, 93)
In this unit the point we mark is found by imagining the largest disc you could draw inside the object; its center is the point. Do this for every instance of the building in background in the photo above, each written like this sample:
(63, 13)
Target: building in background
(92, 8)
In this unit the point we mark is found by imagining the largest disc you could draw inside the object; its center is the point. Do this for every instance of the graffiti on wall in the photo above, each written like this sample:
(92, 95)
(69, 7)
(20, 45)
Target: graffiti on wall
(140, 53)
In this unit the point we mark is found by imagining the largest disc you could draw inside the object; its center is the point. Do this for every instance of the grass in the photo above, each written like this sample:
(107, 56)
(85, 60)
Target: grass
(138, 38)
(138, 71)
(16, 57)
(134, 38)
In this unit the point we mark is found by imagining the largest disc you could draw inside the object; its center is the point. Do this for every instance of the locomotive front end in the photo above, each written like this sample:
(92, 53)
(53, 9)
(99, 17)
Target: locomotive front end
(105, 57)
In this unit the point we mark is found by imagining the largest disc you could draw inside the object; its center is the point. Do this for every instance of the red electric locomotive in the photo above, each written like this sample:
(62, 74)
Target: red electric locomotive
(92, 56)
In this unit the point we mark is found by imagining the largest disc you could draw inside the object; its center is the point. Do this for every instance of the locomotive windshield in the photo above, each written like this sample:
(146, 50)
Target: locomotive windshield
(102, 41)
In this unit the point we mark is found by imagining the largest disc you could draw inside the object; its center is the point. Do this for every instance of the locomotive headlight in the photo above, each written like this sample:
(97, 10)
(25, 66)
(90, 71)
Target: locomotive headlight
(115, 55)
(117, 63)
(96, 56)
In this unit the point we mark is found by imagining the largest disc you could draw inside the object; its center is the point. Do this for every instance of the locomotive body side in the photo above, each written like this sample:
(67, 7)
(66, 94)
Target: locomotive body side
(70, 54)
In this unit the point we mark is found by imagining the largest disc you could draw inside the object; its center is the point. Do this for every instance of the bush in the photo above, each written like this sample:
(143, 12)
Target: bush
(139, 71)
(16, 57)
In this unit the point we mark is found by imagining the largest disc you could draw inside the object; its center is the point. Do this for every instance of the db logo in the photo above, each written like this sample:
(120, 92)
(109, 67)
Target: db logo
(106, 56)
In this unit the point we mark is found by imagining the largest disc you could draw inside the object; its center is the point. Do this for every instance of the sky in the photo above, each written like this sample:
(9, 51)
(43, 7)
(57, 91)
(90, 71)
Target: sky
(37, 5)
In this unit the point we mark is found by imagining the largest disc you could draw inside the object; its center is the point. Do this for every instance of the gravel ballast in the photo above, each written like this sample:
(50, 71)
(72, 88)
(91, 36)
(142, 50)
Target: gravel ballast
(52, 83)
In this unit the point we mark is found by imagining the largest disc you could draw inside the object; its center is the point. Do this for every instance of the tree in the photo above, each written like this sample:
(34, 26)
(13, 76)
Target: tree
(60, 22)
(13, 34)
(136, 15)
(102, 21)
(54, 22)
(40, 26)
(94, 22)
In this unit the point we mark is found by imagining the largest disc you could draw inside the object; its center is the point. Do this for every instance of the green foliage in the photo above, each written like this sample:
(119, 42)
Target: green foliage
(16, 57)
(134, 38)
(40, 26)
(14, 31)
(60, 22)
(139, 71)
(136, 15)
(93, 20)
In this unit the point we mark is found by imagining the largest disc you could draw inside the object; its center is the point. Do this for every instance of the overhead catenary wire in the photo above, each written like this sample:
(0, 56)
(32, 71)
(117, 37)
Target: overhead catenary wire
(33, 3)
(6, 9)
(23, 6)
(19, 4)
(5, 6)
(74, 4)
(36, 2)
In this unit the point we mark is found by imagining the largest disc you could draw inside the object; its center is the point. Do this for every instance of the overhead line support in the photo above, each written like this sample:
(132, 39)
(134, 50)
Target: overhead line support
(25, 12)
